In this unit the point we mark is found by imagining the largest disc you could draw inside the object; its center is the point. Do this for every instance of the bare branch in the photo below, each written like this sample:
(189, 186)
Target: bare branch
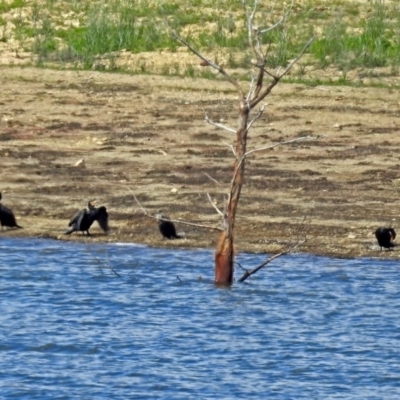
(252, 89)
(256, 117)
(262, 31)
(179, 221)
(214, 180)
(299, 229)
(211, 64)
(100, 264)
(231, 147)
(250, 19)
(289, 67)
(267, 148)
(244, 269)
(248, 273)
(255, 43)
(280, 144)
(219, 125)
(262, 66)
(137, 201)
(260, 81)
(276, 79)
(266, 91)
(216, 208)
(215, 228)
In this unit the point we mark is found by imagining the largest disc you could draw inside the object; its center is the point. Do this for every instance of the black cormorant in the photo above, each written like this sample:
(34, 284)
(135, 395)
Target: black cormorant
(83, 219)
(385, 237)
(167, 228)
(7, 217)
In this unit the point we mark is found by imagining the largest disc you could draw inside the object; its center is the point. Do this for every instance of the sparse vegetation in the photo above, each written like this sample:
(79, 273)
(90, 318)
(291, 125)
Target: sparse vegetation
(351, 38)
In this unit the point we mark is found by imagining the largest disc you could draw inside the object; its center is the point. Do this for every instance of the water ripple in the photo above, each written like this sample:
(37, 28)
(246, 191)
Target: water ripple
(306, 327)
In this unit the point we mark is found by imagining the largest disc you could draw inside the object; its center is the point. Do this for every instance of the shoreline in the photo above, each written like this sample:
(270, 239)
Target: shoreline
(145, 137)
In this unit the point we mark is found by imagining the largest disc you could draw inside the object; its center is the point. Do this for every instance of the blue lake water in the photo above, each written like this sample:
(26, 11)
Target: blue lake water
(306, 327)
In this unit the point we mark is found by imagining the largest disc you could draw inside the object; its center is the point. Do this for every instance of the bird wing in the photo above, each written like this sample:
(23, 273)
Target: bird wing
(7, 216)
(77, 218)
(103, 223)
(102, 218)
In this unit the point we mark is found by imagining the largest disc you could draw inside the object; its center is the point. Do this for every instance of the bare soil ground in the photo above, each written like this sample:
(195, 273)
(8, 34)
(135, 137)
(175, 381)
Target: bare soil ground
(146, 135)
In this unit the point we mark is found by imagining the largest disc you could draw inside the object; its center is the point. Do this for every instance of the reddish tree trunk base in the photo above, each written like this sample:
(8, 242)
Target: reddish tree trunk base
(224, 257)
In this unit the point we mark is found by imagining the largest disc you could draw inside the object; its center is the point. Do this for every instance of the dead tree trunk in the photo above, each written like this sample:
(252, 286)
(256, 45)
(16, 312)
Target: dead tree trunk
(225, 254)
(259, 89)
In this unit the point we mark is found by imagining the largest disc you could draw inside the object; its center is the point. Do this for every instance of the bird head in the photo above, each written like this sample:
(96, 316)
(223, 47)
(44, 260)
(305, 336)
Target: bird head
(160, 215)
(92, 204)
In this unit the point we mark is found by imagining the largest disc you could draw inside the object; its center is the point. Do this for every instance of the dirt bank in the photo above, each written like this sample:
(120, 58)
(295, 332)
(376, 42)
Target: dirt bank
(147, 134)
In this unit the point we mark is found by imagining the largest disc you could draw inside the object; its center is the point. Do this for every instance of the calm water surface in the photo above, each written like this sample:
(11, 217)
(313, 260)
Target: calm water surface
(306, 328)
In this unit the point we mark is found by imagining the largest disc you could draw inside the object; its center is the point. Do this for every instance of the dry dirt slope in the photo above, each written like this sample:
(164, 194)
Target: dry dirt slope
(147, 134)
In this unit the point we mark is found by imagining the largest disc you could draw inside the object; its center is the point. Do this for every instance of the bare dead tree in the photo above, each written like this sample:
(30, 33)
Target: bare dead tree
(261, 85)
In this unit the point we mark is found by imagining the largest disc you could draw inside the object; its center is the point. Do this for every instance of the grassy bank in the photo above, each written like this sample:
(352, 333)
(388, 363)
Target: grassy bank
(352, 39)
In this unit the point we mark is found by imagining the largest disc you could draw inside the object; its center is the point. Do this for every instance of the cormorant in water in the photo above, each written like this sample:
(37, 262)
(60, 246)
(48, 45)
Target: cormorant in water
(385, 237)
(83, 219)
(7, 217)
(167, 228)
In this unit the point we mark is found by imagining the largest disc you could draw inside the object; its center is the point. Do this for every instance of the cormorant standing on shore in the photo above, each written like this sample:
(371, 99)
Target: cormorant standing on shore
(167, 228)
(83, 219)
(385, 237)
(7, 217)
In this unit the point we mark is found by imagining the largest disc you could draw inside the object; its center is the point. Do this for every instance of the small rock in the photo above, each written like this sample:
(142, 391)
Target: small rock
(174, 190)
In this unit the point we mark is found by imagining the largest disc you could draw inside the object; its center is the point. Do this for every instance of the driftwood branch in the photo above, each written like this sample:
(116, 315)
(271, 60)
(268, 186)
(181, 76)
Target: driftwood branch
(248, 273)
